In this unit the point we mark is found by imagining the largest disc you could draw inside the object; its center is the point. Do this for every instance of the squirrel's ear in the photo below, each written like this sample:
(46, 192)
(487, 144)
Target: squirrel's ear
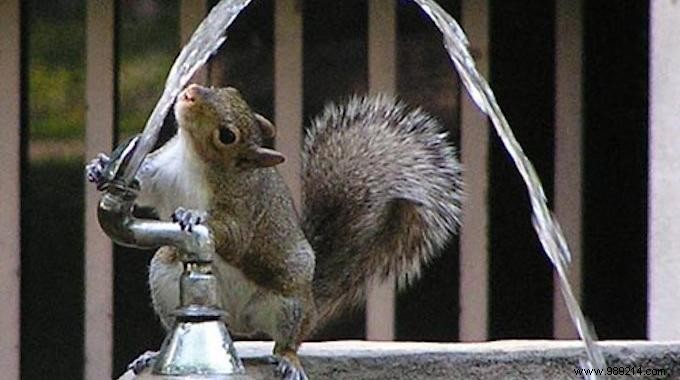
(264, 158)
(267, 127)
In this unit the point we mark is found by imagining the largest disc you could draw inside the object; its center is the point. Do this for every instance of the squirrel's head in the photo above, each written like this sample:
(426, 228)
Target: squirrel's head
(223, 129)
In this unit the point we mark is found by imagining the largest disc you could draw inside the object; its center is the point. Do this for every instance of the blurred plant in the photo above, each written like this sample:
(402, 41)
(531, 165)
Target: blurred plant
(56, 79)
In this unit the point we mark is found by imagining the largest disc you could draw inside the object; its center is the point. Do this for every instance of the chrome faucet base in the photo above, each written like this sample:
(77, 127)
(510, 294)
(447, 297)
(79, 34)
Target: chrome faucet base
(201, 347)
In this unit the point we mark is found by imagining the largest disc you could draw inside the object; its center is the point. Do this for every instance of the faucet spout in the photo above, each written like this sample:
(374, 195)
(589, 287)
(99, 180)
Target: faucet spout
(117, 220)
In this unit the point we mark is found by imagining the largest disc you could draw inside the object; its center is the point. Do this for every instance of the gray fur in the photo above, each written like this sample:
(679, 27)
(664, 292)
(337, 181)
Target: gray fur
(382, 194)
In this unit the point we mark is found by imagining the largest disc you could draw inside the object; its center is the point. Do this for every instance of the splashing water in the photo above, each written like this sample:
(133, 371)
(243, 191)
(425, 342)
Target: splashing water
(210, 35)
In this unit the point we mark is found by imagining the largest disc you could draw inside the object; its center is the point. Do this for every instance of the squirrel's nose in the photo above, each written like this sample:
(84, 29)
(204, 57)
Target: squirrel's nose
(193, 92)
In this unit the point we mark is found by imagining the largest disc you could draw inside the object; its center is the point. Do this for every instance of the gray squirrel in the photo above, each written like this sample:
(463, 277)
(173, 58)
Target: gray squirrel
(381, 194)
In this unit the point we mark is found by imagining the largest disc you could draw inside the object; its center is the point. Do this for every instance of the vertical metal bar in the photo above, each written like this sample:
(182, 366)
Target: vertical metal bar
(99, 134)
(474, 235)
(288, 90)
(382, 36)
(10, 186)
(191, 13)
(568, 149)
(664, 180)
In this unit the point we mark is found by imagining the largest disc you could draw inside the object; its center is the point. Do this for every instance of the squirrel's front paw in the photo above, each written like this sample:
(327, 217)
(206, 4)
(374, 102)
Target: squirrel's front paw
(187, 219)
(94, 170)
(290, 368)
(143, 362)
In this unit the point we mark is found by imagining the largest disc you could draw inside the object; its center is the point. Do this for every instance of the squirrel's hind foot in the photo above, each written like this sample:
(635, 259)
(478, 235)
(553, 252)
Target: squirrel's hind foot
(143, 362)
(289, 367)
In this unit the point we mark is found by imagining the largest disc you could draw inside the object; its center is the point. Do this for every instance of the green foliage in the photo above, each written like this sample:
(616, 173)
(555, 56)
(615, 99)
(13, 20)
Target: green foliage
(57, 103)
(148, 43)
(142, 79)
(56, 77)
(57, 34)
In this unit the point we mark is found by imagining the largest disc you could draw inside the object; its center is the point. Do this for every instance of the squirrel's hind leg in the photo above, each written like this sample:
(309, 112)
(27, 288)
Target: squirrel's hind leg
(287, 322)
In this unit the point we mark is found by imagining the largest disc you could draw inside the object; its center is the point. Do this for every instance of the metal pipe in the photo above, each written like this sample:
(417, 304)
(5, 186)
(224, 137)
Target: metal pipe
(116, 219)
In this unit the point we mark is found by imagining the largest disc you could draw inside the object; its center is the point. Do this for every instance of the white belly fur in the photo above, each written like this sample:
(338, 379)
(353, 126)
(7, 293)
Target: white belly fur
(249, 309)
(172, 177)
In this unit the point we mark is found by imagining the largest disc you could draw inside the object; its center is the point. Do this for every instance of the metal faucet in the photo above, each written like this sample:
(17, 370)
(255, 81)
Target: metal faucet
(199, 342)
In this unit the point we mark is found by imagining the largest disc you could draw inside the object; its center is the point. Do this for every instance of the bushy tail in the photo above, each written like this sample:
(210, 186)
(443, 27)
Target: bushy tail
(381, 195)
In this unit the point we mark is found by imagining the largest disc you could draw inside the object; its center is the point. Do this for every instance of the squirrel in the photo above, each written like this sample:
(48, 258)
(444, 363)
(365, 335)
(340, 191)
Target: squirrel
(381, 194)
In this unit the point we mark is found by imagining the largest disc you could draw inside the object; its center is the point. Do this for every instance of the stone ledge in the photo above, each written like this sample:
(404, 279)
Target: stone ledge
(520, 359)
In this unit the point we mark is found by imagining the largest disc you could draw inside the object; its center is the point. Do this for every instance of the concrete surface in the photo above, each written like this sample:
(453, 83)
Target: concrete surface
(526, 359)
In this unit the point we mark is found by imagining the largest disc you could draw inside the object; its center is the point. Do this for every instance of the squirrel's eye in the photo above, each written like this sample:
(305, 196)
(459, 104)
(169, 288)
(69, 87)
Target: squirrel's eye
(227, 136)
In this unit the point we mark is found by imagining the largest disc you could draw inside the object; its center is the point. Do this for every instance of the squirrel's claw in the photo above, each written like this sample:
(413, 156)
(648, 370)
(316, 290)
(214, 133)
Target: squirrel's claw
(289, 371)
(143, 362)
(94, 170)
(187, 219)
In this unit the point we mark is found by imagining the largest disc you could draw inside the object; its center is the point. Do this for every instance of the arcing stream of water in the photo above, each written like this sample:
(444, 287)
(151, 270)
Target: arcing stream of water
(210, 34)
(546, 226)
